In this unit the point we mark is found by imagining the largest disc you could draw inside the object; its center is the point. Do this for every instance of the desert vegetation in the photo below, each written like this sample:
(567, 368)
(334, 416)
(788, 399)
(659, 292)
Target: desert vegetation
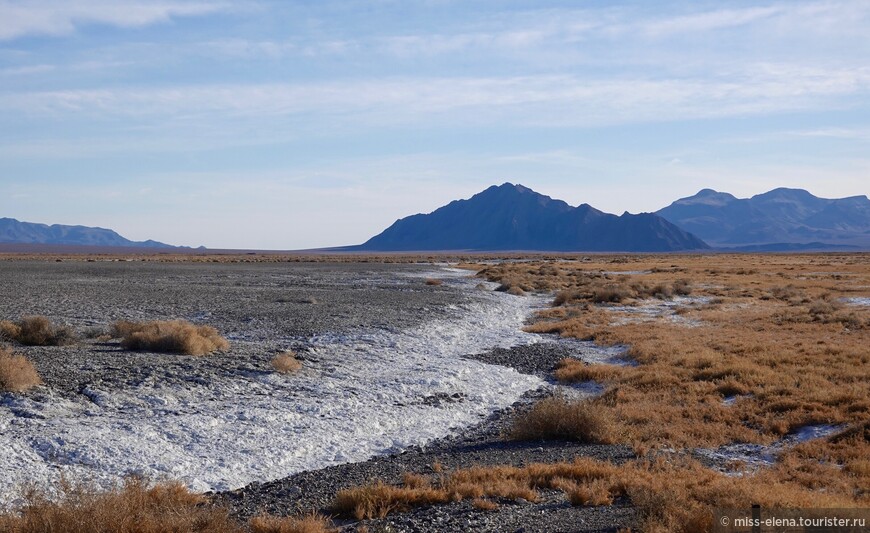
(560, 418)
(36, 331)
(140, 506)
(17, 373)
(170, 336)
(769, 333)
(673, 493)
(791, 352)
(286, 363)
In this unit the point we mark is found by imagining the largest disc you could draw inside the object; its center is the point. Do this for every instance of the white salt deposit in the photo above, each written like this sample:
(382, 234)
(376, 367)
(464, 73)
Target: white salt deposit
(754, 456)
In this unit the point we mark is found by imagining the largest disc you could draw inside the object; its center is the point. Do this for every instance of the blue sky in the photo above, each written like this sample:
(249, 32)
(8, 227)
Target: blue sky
(296, 124)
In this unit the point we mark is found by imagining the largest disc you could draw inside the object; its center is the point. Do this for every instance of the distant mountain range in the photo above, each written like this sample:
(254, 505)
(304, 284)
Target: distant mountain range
(513, 217)
(14, 231)
(782, 219)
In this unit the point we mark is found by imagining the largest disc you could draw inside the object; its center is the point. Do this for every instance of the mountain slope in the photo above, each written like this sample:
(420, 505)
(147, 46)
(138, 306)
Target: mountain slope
(779, 216)
(14, 231)
(513, 217)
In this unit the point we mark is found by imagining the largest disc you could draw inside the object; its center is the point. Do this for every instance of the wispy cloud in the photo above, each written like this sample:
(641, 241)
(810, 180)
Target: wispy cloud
(60, 17)
(543, 100)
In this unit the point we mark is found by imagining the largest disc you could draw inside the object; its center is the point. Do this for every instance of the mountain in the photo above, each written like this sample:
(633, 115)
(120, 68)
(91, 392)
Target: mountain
(780, 217)
(513, 217)
(14, 231)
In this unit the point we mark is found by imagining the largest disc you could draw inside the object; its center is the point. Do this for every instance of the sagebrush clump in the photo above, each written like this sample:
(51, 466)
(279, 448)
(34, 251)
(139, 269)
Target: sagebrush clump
(169, 336)
(17, 373)
(286, 363)
(36, 331)
(560, 418)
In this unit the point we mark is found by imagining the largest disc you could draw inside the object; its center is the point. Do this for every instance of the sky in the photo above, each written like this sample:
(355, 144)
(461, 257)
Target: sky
(300, 124)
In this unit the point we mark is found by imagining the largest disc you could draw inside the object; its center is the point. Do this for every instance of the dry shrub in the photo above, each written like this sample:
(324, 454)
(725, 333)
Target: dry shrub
(434, 282)
(789, 293)
(570, 370)
(286, 363)
(134, 506)
(312, 523)
(610, 294)
(17, 374)
(682, 287)
(36, 331)
(822, 307)
(558, 418)
(566, 296)
(516, 291)
(171, 336)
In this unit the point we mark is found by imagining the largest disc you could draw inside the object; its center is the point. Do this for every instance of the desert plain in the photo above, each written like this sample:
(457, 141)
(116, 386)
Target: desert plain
(464, 392)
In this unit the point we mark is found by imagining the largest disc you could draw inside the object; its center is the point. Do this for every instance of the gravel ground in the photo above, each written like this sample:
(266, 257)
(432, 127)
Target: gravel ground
(261, 308)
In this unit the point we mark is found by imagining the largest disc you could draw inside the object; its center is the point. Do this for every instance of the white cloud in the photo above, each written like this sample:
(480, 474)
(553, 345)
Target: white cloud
(534, 100)
(61, 17)
(708, 21)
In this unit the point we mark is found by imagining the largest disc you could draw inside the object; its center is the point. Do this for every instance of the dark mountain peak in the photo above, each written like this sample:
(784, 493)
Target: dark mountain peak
(510, 196)
(514, 217)
(511, 187)
(510, 190)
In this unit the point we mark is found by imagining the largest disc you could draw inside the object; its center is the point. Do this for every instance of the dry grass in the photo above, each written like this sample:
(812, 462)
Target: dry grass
(675, 495)
(140, 507)
(286, 363)
(17, 373)
(772, 331)
(379, 499)
(36, 331)
(312, 523)
(572, 370)
(171, 336)
(559, 418)
(135, 506)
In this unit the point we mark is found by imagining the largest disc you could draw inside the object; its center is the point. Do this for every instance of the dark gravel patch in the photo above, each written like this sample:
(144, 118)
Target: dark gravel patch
(537, 359)
(541, 359)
